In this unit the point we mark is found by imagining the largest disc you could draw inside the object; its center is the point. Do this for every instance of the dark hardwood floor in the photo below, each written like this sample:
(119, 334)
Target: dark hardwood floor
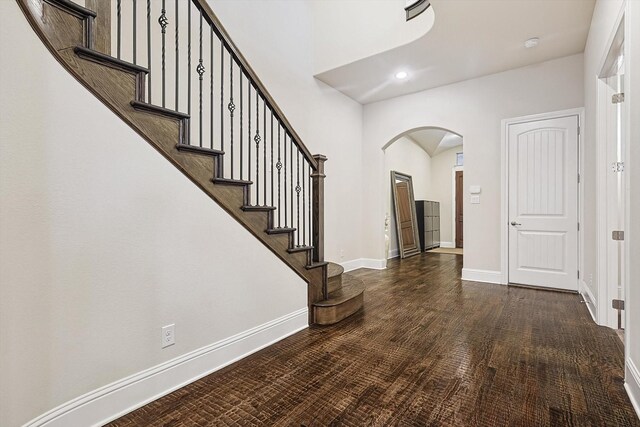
(428, 349)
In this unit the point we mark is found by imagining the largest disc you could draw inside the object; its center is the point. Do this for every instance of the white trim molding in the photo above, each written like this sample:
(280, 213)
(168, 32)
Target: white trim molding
(394, 253)
(632, 384)
(374, 264)
(485, 276)
(454, 169)
(448, 245)
(589, 299)
(112, 401)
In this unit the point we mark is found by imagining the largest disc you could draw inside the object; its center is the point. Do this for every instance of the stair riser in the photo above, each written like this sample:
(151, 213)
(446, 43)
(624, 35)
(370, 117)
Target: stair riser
(334, 283)
(334, 314)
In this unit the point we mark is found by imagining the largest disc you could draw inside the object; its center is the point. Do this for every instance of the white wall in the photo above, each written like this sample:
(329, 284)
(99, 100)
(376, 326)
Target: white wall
(473, 109)
(442, 191)
(362, 30)
(275, 38)
(405, 156)
(102, 242)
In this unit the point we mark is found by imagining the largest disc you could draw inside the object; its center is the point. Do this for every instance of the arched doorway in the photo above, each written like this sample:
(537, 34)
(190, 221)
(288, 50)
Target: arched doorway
(434, 158)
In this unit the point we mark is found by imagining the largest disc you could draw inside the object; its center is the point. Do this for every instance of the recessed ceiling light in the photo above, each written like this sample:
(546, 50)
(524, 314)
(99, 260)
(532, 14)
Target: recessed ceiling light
(401, 75)
(532, 42)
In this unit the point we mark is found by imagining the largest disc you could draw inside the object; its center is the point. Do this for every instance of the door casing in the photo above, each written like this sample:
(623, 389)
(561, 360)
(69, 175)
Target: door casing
(504, 190)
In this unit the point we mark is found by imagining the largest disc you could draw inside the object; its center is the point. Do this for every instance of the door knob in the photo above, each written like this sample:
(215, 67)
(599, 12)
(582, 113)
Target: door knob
(515, 223)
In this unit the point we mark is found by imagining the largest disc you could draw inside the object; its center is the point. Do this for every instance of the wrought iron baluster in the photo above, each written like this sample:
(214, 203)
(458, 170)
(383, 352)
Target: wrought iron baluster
(200, 70)
(119, 27)
(189, 70)
(291, 174)
(279, 167)
(163, 21)
(135, 24)
(231, 108)
(241, 121)
(309, 171)
(211, 88)
(271, 138)
(249, 129)
(221, 97)
(304, 207)
(264, 149)
(256, 139)
(149, 51)
(286, 224)
(177, 57)
(298, 189)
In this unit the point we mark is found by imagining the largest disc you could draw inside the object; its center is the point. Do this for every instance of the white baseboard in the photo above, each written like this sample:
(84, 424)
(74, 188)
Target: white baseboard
(589, 299)
(632, 384)
(394, 253)
(448, 245)
(121, 397)
(375, 264)
(486, 276)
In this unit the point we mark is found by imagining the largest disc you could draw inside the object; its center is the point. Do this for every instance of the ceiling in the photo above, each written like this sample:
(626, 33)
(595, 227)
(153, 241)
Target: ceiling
(434, 141)
(470, 38)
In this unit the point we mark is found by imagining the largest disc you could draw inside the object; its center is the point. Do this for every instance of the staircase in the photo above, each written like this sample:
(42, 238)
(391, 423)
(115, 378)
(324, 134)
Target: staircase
(177, 79)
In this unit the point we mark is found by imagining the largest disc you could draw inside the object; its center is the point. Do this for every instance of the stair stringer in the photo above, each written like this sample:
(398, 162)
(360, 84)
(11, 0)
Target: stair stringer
(116, 87)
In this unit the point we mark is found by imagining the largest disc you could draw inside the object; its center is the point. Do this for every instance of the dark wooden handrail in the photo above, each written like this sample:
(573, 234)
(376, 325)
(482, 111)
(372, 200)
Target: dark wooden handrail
(244, 64)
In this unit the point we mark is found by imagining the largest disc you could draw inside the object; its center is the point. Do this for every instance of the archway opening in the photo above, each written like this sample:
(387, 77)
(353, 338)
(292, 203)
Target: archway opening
(434, 159)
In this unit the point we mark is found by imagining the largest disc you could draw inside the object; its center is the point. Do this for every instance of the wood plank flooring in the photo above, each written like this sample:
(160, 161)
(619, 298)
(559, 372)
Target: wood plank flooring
(427, 350)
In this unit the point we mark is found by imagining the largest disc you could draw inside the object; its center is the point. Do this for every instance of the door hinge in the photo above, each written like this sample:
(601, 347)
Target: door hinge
(578, 178)
(578, 130)
(578, 226)
(617, 304)
(617, 166)
(617, 235)
(578, 274)
(617, 98)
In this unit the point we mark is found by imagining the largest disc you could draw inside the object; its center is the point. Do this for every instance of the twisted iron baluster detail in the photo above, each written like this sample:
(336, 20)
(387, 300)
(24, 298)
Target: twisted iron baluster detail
(279, 167)
(200, 70)
(163, 21)
(257, 139)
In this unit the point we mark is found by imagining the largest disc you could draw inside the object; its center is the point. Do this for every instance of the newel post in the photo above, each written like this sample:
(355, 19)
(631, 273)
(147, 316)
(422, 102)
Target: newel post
(318, 209)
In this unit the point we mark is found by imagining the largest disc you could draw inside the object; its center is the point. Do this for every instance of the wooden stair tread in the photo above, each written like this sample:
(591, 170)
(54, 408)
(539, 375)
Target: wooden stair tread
(144, 106)
(334, 270)
(199, 150)
(316, 265)
(352, 287)
(227, 181)
(299, 249)
(76, 9)
(280, 230)
(258, 208)
(110, 61)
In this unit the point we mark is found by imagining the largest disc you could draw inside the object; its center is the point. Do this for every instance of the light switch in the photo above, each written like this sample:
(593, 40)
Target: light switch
(475, 200)
(475, 189)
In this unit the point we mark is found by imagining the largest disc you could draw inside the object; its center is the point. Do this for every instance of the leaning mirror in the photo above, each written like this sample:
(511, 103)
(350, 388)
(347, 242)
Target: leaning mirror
(405, 214)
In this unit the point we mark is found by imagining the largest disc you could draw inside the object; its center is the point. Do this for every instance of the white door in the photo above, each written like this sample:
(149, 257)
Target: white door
(543, 203)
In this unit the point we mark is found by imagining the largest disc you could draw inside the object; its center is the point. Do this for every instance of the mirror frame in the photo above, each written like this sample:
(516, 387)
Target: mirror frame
(399, 176)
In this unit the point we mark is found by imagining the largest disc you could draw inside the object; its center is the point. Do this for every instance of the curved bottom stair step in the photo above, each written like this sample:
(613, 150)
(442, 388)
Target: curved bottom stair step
(341, 303)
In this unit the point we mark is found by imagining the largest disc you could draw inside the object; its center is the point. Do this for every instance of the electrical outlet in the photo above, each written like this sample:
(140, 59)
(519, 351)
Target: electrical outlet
(168, 335)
